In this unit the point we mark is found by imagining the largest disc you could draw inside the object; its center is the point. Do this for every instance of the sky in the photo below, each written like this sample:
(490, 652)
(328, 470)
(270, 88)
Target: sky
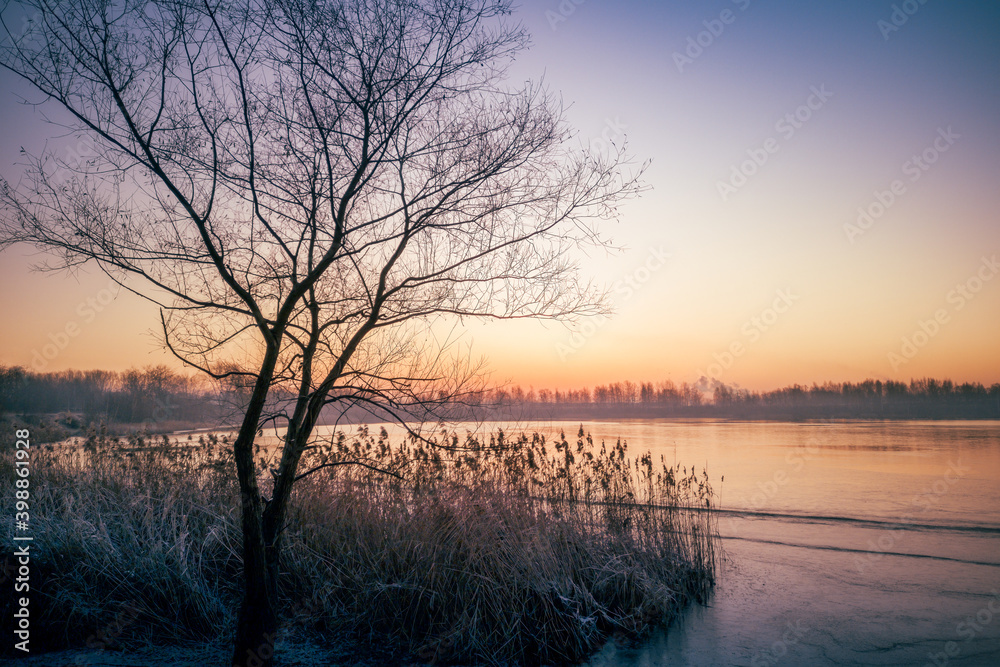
(823, 201)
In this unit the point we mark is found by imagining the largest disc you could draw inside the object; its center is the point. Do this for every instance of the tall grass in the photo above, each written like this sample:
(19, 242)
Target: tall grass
(507, 551)
(133, 539)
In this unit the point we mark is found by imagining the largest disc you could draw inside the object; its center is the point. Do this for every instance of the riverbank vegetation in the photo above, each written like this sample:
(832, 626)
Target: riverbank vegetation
(505, 550)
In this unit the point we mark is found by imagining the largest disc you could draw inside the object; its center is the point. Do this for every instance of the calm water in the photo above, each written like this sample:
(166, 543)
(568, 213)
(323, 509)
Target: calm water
(845, 543)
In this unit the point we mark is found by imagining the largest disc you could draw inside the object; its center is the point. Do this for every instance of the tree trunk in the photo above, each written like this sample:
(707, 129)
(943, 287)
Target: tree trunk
(258, 623)
(272, 517)
(262, 532)
(258, 620)
(263, 527)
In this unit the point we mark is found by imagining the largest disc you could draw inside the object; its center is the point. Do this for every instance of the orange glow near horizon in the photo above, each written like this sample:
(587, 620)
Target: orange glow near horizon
(789, 237)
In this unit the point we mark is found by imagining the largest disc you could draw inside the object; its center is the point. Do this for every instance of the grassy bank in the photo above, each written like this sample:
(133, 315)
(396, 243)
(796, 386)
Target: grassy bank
(521, 550)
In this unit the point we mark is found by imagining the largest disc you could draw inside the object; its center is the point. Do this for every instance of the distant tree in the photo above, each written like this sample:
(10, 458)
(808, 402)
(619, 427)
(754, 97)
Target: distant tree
(12, 384)
(723, 395)
(690, 395)
(301, 186)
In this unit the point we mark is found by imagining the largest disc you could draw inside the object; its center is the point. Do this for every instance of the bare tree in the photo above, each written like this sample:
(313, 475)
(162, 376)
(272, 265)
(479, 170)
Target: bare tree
(302, 186)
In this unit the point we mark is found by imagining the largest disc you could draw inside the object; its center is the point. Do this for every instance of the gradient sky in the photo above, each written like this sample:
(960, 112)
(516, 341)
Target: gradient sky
(914, 292)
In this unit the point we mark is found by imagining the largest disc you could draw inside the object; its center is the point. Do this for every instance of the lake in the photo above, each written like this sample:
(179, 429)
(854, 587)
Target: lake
(874, 543)
(846, 543)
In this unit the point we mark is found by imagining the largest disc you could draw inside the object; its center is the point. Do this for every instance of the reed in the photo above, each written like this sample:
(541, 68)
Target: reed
(515, 550)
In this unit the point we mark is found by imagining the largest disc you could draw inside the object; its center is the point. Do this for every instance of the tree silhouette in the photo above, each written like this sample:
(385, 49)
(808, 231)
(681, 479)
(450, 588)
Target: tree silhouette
(303, 187)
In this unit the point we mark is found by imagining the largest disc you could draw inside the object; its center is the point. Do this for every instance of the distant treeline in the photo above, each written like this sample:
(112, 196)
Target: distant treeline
(158, 394)
(621, 393)
(148, 395)
(925, 398)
